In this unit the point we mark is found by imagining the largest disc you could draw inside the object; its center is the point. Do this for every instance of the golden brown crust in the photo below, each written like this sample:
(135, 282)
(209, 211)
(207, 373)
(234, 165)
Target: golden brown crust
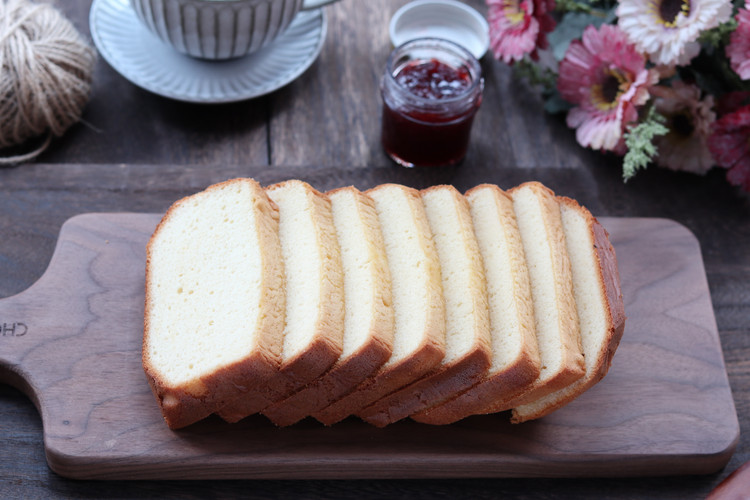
(334, 384)
(347, 373)
(326, 345)
(609, 280)
(432, 389)
(273, 303)
(447, 379)
(329, 341)
(572, 366)
(473, 401)
(392, 377)
(383, 382)
(516, 374)
(182, 406)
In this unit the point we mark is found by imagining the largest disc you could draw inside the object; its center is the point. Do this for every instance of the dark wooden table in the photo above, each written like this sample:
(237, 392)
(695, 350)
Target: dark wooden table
(137, 152)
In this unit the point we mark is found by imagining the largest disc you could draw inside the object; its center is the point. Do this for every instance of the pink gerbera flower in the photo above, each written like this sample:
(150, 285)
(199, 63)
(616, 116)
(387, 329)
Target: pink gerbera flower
(519, 27)
(689, 119)
(606, 78)
(730, 145)
(738, 50)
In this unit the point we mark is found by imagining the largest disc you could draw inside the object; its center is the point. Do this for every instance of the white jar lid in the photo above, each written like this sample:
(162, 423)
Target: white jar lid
(447, 19)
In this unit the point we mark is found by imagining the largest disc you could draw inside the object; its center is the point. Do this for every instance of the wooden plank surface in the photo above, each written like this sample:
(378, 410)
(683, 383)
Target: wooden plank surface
(137, 152)
(329, 116)
(72, 341)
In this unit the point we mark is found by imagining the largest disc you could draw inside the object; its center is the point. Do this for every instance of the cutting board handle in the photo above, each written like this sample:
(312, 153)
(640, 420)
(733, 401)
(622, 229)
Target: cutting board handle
(33, 320)
(56, 321)
(14, 326)
(15, 341)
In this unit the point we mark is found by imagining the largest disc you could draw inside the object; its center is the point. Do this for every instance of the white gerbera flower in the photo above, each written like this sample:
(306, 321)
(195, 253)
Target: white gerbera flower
(667, 30)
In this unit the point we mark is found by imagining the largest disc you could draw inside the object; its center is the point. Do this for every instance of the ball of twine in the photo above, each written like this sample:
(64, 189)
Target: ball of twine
(45, 75)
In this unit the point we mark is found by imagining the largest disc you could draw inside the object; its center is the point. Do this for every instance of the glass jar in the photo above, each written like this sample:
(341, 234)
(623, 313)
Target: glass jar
(431, 89)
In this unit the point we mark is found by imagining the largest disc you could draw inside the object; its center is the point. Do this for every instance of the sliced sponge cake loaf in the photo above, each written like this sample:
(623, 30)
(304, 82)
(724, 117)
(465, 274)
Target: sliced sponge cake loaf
(384, 304)
(515, 354)
(214, 313)
(313, 333)
(596, 285)
(368, 318)
(555, 315)
(467, 335)
(418, 306)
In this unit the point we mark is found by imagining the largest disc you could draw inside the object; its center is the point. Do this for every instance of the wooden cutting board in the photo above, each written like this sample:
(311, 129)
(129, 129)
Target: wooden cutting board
(72, 342)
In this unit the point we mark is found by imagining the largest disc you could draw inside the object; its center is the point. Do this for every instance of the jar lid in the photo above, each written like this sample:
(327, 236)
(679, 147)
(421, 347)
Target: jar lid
(446, 19)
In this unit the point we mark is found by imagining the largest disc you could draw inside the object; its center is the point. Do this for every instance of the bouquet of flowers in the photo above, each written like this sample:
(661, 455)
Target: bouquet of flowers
(662, 81)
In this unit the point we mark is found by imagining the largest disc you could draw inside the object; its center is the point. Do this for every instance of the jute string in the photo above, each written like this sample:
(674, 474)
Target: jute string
(45, 75)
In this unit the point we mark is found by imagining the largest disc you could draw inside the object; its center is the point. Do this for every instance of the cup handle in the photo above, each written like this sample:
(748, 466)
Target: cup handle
(315, 4)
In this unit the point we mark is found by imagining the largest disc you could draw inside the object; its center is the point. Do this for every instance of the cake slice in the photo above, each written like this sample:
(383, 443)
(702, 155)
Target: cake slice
(368, 317)
(214, 309)
(313, 333)
(555, 315)
(467, 328)
(515, 354)
(417, 298)
(601, 311)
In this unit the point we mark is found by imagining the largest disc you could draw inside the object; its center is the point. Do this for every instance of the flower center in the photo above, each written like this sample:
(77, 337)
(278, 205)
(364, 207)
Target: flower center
(515, 11)
(670, 9)
(682, 124)
(612, 85)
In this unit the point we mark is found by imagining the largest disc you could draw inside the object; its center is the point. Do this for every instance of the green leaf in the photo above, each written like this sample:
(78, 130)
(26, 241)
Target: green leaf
(717, 37)
(554, 103)
(535, 74)
(588, 6)
(711, 71)
(571, 28)
(640, 143)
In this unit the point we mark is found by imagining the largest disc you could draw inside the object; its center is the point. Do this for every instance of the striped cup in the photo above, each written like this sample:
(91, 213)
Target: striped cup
(219, 29)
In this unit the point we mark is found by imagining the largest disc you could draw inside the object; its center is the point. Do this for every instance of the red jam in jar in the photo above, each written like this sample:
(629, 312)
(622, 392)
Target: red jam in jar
(431, 89)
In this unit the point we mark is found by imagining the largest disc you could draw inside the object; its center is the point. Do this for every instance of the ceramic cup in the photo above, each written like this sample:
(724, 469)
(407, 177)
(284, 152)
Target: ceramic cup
(220, 29)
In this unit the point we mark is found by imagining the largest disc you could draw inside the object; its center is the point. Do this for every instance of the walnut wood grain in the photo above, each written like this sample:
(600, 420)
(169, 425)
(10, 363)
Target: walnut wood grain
(329, 116)
(78, 356)
(137, 152)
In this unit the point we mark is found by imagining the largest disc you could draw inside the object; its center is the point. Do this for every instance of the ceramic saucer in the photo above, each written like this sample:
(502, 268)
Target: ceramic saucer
(141, 57)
